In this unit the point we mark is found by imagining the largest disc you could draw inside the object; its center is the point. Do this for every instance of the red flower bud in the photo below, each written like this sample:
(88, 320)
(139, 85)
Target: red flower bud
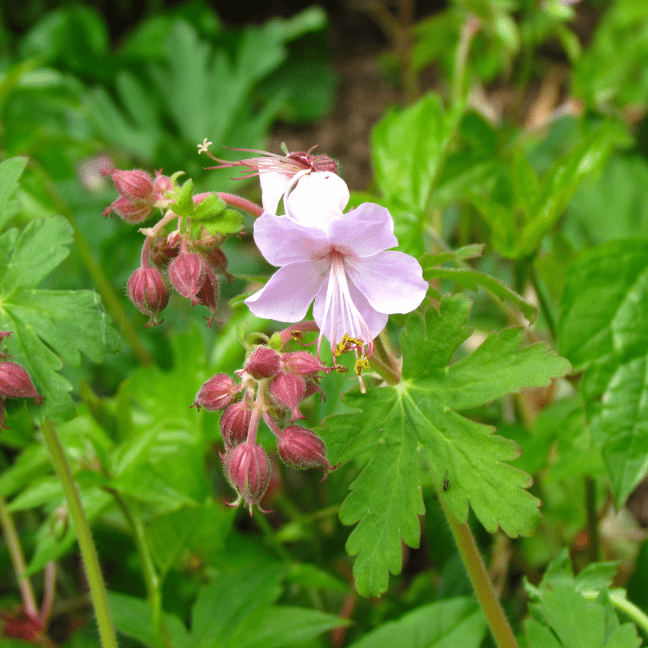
(161, 185)
(208, 294)
(134, 185)
(188, 273)
(312, 387)
(263, 363)
(301, 448)
(217, 393)
(234, 424)
(148, 291)
(288, 391)
(164, 251)
(131, 211)
(248, 470)
(16, 383)
(301, 363)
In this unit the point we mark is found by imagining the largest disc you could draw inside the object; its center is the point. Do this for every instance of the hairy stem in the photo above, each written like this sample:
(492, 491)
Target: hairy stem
(86, 544)
(241, 203)
(151, 577)
(543, 301)
(383, 360)
(18, 560)
(497, 621)
(621, 603)
(468, 31)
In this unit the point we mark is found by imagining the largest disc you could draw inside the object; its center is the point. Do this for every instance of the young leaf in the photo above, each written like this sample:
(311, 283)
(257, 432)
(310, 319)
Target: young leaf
(456, 622)
(602, 331)
(10, 172)
(416, 420)
(49, 326)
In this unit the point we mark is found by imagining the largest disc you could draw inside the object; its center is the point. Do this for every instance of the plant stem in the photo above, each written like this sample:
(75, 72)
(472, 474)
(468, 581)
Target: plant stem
(621, 603)
(543, 301)
(271, 539)
(497, 621)
(18, 561)
(86, 544)
(151, 577)
(592, 519)
(384, 362)
(468, 31)
(241, 203)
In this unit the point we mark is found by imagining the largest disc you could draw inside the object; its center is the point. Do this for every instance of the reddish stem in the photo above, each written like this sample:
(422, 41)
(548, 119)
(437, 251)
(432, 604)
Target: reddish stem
(337, 635)
(301, 327)
(241, 203)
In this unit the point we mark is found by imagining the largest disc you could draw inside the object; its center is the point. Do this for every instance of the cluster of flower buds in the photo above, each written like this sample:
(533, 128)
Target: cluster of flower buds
(272, 386)
(14, 383)
(188, 265)
(139, 193)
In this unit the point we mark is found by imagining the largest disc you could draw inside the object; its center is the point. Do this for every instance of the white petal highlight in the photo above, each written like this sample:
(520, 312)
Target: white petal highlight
(273, 185)
(317, 199)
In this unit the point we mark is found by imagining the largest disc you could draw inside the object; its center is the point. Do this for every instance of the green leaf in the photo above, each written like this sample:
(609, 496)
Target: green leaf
(183, 204)
(414, 420)
(236, 611)
(577, 623)
(605, 338)
(229, 221)
(49, 327)
(408, 149)
(450, 623)
(132, 617)
(10, 172)
(208, 208)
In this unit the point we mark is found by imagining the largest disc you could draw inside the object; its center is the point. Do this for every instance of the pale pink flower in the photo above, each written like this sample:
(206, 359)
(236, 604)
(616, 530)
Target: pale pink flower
(343, 264)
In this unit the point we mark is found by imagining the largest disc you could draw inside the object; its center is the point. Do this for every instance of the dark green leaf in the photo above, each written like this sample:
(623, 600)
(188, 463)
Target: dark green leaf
(604, 303)
(456, 622)
(401, 425)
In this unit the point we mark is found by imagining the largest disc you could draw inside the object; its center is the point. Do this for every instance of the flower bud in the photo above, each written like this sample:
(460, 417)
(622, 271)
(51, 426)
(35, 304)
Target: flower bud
(263, 363)
(217, 393)
(288, 391)
(234, 424)
(312, 387)
(131, 211)
(208, 295)
(148, 291)
(16, 383)
(161, 186)
(188, 272)
(248, 470)
(134, 185)
(301, 363)
(163, 251)
(301, 448)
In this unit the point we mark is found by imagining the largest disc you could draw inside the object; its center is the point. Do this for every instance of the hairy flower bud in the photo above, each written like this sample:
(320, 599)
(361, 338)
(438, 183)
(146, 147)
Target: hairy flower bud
(188, 272)
(248, 470)
(208, 294)
(148, 291)
(161, 186)
(163, 251)
(135, 184)
(131, 211)
(264, 362)
(288, 391)
(301, 363)
(301, 448)
(234, 423)
(16, 383)
(217, 393)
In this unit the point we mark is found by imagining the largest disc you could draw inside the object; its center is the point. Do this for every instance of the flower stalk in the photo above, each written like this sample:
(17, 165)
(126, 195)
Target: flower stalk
(94, 576)
(484, 590)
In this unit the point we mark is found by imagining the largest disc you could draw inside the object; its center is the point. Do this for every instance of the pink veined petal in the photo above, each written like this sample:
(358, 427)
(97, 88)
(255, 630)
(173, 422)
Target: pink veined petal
(351, 315)
(317, 199)
(273, 185)
(392, 282)
(364, 231)
(289, 292)
(282, 241)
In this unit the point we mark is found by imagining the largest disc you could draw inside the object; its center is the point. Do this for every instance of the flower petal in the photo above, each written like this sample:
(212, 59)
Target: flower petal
(273, 185)
(338, 324)
(317, 199)
(364, 231)
(289, 292)
(282, 241)
(392, 282)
